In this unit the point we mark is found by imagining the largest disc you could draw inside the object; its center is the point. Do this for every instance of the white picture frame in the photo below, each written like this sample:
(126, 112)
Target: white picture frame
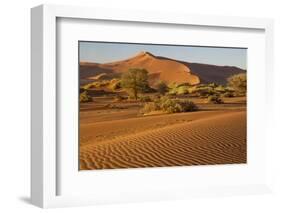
(44, 149)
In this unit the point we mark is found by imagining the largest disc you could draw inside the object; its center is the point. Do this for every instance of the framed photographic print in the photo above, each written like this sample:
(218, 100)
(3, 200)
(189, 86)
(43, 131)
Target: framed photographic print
(130, 106)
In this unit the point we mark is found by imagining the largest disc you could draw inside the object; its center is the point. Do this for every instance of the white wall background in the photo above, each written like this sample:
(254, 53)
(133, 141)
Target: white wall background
(15, 98)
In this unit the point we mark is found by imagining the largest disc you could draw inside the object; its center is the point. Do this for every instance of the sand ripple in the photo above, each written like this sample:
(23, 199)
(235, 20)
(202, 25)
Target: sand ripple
(215, 140)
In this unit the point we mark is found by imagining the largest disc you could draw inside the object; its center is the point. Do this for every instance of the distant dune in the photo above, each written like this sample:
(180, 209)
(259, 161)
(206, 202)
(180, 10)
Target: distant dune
(160, 68)
(219, 139)
(212, 73)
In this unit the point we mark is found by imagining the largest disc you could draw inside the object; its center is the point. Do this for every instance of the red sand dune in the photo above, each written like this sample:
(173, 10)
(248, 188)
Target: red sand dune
(161, 68)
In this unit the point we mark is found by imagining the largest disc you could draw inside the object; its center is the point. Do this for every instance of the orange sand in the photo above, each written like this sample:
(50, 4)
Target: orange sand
(199, 138)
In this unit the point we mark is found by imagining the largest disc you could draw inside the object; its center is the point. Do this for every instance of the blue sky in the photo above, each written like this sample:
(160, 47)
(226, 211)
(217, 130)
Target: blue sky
(102, 52)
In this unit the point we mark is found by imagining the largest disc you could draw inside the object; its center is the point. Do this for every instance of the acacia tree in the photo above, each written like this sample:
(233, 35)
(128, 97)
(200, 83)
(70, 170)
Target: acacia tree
(238, 83)
(135, 81)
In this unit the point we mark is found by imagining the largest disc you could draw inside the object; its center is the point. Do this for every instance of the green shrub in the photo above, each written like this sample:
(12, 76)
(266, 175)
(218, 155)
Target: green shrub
(205, 91)
(172, 91)
(188, 106)
(169, 105)
(182, 90)
(215, 99)
(192, 89)
(96, 84)
(238, 83)
(220, 89)
(213, 85)
(85, 97)
(228, 95)
(172, 85)
(114, 84)
(150, 107)
(99, 84)
(87, 86)
(175, 89)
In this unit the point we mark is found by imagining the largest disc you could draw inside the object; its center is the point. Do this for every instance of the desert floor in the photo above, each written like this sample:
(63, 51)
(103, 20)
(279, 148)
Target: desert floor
(116, 135)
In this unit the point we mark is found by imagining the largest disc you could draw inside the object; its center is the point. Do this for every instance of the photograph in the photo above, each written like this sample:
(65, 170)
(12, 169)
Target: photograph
(147, 105)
